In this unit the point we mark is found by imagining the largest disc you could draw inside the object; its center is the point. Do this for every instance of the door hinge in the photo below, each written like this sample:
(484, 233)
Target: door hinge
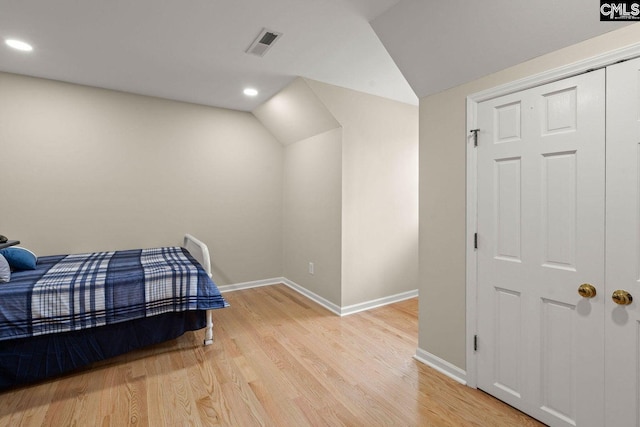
(475, 241)
(475, 136)
(475, 343)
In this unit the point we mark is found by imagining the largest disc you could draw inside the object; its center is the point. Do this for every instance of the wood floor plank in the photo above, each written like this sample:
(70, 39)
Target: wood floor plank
(278, 359)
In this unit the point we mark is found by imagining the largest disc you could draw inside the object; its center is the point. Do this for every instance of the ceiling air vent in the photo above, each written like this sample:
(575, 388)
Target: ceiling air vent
(263, 42)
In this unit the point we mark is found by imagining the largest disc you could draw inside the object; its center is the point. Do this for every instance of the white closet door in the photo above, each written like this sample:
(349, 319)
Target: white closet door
(622, 322)
(541, 225)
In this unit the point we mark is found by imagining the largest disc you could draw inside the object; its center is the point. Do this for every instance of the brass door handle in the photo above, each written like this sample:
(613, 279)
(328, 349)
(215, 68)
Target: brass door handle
(587, 290)
(622, 297)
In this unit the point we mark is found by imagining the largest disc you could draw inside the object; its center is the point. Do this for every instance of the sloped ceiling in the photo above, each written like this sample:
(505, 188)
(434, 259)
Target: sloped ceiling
(441, 44)
(295, 113)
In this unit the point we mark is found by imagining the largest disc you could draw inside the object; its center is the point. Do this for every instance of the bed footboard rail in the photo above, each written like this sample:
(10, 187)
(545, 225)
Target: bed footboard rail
(200, 252)
(208, 332)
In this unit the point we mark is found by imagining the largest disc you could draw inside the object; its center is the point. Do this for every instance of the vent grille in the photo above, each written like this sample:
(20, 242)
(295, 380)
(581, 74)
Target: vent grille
(263, 42)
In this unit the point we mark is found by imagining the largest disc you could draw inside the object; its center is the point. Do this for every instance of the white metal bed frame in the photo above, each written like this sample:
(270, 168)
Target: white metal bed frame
(200, 252)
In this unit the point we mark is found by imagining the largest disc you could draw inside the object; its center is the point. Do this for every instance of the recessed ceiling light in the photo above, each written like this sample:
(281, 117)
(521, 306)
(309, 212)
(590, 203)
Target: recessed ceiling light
(20, 45)
(250, 91)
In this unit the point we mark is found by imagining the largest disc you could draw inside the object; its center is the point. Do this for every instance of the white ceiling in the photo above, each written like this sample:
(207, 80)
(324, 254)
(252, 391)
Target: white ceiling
(441, 44)
(194, 50)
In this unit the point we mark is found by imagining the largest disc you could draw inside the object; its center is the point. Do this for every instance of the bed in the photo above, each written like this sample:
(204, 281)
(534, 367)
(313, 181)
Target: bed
(73, 310)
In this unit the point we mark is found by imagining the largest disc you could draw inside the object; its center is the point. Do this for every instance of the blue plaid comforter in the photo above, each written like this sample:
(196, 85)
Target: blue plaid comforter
(73, 292)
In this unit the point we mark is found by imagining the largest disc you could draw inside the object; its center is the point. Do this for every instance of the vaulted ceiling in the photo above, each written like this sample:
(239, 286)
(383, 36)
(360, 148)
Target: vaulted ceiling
(195, 51)
(441, 44)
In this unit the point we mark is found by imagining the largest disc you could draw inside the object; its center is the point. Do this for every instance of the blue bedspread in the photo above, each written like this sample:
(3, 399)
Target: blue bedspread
(74, 292)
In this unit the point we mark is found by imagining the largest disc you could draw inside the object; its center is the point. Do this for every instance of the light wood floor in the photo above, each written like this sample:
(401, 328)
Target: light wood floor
(278, 360)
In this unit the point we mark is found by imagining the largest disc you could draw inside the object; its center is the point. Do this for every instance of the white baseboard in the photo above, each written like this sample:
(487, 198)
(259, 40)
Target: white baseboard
(441, 366)
(334, 308)
(368, 305)
(249, 285)
(313, 297)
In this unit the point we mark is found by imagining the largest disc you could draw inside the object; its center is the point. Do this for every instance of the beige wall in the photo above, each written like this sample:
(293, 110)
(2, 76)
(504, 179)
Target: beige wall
(312, 214)
(350, 193)
(379, 193)
(312, 193)
(91, 169)
(86, 169)
(442, 194)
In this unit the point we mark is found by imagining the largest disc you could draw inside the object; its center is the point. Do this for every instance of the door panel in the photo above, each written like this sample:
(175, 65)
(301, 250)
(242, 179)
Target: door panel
(541, 234)
(559, 193)
(507, 335)
(622, 339)
(508, 215)
(557, 360)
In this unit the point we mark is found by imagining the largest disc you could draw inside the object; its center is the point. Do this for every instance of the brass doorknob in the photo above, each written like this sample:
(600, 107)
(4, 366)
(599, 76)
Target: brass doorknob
(587, 290)
(622, 297)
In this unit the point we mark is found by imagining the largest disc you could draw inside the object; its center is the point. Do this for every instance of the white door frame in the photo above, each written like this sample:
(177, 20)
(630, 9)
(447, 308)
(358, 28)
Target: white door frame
(473, 100)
